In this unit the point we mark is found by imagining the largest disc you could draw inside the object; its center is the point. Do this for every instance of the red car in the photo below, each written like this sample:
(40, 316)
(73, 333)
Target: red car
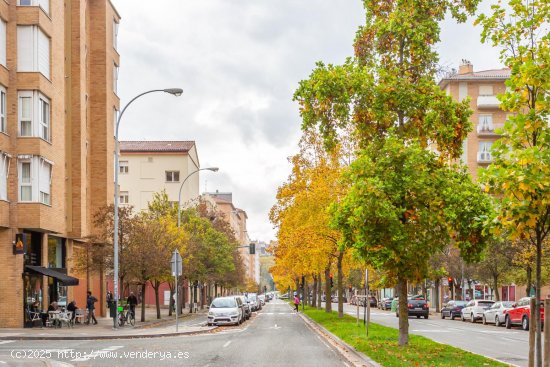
(520, 314)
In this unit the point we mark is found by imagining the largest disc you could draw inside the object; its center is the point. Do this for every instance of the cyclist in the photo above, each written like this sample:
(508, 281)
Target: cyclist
(132, 302)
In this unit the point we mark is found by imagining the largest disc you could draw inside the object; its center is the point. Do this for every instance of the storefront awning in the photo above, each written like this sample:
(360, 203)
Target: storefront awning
(63, 278)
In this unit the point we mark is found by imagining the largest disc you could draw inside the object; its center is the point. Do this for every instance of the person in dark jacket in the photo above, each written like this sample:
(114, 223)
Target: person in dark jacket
(90, 306)
(132, 302)
(72, 308)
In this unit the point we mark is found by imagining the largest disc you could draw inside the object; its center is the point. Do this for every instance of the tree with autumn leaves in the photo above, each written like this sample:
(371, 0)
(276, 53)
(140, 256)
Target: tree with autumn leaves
(520, 174)
(404, 199)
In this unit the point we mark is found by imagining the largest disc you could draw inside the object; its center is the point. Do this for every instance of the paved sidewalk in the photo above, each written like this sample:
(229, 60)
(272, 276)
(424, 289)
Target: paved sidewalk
(188, 324)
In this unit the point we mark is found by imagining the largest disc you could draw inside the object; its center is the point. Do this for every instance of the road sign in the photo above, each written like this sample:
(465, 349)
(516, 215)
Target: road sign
(176, 264)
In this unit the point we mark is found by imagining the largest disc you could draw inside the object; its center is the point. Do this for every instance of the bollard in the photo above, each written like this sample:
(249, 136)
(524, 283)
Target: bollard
(532, 331)
(546, 334)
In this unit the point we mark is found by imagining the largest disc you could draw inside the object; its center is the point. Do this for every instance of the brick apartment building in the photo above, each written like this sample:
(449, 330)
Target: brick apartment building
(58, 102)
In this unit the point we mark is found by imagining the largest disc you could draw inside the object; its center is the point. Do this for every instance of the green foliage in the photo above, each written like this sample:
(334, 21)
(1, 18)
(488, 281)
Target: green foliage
(405, 205)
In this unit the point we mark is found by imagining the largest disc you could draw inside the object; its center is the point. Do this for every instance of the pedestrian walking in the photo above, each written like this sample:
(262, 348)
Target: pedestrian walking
(90, 306)
(296, 302)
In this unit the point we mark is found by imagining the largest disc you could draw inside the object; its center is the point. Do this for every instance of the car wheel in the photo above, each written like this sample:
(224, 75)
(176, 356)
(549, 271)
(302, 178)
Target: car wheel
(426, 316)
(497, 321)
(525, 323)
(396, 314)
(472, 319)
(417, 316)
(462, 317)
(442, 315)
(508, 322)
(483, 320)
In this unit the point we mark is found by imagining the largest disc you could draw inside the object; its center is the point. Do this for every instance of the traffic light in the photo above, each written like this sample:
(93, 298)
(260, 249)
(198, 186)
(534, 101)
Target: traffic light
(450, 279)
(331, 281)
(252, 248)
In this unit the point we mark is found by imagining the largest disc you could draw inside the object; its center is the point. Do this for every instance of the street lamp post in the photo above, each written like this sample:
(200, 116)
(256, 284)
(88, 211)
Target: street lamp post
(213, 169)
(176, 92)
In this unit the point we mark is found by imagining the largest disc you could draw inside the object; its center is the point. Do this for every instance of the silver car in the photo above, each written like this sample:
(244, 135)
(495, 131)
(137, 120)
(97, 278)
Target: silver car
(225, 311)
(496, 313)
(474, 310)
(246, 307)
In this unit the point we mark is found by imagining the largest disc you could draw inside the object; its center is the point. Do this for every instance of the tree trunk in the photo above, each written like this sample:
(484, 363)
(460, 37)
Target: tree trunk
(191, 298)
(171, 303)
(437, 296)
(156, 287)
(403, 312)
(328, 291)
(538, 340)
(319, 291)
(529, 276)
(340, 285)
(495, 287)
(143, 287)
(314, 298)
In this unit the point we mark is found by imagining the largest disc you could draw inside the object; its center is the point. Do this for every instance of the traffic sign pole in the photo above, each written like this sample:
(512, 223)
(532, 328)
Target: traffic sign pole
(177, 268)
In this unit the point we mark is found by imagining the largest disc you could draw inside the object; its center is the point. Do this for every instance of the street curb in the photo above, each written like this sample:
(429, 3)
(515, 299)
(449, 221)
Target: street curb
(351, 355)
(107, 337)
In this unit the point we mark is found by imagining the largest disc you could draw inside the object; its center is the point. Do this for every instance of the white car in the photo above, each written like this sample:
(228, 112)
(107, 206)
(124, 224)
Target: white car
(496, 313)
(474, 309)
(225, 311)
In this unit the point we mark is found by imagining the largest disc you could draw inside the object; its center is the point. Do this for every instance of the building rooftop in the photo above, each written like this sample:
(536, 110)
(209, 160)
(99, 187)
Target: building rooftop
(484, 74)
(156, 146)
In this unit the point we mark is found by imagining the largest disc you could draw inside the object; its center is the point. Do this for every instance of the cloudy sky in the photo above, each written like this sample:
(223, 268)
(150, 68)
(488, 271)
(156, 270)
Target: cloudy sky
(239, 62)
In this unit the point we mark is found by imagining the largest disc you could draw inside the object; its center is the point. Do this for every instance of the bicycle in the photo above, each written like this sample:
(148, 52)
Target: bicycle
(126, 317)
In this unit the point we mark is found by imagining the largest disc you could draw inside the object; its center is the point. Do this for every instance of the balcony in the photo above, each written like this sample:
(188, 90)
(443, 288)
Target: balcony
(485, 102)
(488, 129)
(484, 158)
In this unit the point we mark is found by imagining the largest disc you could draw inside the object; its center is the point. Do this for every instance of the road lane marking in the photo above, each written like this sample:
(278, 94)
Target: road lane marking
(6, 341)
(227, 344)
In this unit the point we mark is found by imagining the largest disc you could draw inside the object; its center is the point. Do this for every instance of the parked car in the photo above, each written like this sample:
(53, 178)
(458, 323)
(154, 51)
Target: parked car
(520, 313)
(246, 307)
(417, 306)
(474, 309)
(496, 314)
(385, 303)
(255, 303)
(225, 311)
(334, 299)
(453, 309)
(261, 297)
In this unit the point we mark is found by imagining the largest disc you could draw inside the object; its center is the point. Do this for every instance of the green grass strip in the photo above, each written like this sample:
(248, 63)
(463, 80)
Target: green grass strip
(381, 344)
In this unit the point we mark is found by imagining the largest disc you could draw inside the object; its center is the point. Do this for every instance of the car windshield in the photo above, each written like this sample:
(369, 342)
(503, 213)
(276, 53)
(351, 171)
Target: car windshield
(485, 303)
(251, 298)
(460, 303)
(224, 303)
(507, 304)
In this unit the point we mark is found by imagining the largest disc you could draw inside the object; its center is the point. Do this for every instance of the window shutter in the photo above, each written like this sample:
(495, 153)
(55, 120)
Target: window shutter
(25, 54)
(43, 54)
(45, 176)
(485, 90)
(3, 177)
(3, 42)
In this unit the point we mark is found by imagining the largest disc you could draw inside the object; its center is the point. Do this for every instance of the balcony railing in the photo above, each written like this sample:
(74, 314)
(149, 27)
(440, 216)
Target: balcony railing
(488, 129)
(487, 102)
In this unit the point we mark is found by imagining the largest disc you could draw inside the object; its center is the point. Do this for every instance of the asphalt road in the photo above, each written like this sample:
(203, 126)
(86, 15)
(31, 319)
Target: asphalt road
(275, 336)
(510, 346)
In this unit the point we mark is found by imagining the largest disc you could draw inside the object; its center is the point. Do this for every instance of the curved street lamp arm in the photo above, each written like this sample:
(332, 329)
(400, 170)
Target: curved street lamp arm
(181, 187)
(129, 103)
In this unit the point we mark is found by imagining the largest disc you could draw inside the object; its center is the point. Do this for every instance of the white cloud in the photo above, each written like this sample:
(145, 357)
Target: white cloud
(239, 63)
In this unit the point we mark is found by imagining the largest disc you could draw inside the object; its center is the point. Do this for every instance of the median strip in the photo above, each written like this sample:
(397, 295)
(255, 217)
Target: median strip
(381, 344)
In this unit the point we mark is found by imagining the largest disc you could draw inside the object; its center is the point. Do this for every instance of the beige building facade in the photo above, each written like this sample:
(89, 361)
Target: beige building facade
(57, 61)
(148, 167)
(223, 202)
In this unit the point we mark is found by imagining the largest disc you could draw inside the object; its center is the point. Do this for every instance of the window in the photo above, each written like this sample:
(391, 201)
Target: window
(4, 173)
(3, 124)
(123, 167)
(115, 34)
(115, 78)
(484, 153)
(124, 198)
(115, 119)
(3, 27)
(44, 4)
(172, 176)
(35, 179)
(33, 50)
(485, 123)
(485, 90)
(34, 115)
